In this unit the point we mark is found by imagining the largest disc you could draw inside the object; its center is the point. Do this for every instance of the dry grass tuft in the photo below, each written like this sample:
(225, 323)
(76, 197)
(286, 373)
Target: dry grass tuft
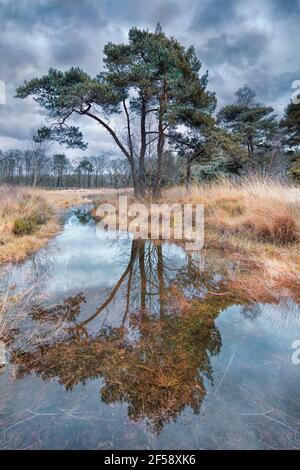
(64, 198)
(28, 217)
(259, 221)
(25, 220)
(256, 210)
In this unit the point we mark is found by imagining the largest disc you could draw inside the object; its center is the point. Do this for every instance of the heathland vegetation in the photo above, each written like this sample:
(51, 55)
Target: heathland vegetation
(154, 102)
(172, 145)
(29, 217)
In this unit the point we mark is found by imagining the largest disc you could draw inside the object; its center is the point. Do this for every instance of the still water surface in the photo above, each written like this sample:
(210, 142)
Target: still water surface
(130, 344)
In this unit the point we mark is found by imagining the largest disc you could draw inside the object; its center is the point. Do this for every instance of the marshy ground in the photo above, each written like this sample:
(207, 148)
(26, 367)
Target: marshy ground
(30, 217)
(255, 222)
(138, 344)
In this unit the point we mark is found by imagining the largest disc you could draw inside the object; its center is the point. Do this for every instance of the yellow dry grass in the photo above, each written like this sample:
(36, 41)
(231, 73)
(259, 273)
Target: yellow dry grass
(64, 198)
(23, 204)
(259, 221)
(18, 202)
(256, 220)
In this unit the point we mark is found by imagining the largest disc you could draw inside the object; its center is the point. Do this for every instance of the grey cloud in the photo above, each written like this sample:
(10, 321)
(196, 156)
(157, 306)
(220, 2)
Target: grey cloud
(269, 87)
(13, 61)
(55, 13)
(70, 51)
(213, 14)
(91, 14)
(149, 12)
(234, 44)
(242, 49)
(285, 8)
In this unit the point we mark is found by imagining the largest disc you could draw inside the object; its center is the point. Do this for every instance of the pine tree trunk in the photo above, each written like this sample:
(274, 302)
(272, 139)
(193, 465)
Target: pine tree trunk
(188, 176)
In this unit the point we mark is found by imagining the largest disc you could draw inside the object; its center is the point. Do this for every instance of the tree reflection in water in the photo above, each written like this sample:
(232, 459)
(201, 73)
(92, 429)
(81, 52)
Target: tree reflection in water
(157, 359)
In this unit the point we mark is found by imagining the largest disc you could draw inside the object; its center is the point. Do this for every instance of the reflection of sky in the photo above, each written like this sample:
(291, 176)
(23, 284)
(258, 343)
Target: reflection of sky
(175, 253)
(255, 389)
(83, 260)
(259, 352)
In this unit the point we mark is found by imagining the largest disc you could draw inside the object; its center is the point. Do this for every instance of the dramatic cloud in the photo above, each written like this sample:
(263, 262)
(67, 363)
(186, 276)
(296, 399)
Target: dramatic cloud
(238, 42)
(213, 15)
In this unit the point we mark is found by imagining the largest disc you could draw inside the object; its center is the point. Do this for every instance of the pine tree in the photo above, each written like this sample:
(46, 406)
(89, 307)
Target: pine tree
(152, 80)
(291, 125)
(252, 122)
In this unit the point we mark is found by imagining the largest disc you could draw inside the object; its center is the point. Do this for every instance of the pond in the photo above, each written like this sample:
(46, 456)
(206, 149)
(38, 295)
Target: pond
(130, 344)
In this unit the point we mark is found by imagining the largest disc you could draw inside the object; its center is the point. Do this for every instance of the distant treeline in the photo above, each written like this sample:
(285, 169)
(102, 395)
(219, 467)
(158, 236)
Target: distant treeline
(169, 125)
(247, 138)
(35, 167)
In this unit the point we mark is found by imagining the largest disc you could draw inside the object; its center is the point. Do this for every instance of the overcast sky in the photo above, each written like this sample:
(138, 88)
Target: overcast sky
(238, 42)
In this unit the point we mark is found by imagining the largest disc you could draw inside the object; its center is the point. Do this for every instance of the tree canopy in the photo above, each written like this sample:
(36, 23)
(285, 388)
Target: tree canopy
(291, 124)
(152, 80)
(253, 122)
(152, 98)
